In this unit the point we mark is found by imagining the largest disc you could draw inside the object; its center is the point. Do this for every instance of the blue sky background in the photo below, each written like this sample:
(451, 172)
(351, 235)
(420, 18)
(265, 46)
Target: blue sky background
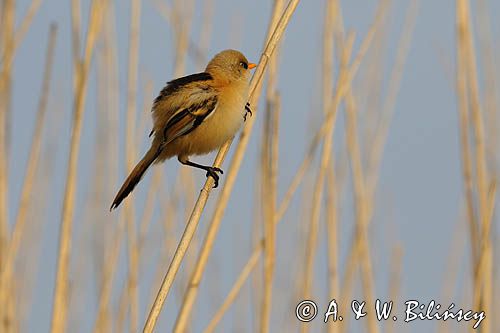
(418, 201)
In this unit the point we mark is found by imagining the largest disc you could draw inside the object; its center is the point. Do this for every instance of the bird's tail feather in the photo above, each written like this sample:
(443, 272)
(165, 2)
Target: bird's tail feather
(135, 176)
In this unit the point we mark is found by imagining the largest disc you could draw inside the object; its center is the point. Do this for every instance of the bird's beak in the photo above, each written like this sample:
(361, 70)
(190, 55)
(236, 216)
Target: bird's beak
(251, 65)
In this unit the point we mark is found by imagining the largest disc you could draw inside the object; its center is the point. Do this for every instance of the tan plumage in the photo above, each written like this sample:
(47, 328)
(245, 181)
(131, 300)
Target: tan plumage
(195, 115)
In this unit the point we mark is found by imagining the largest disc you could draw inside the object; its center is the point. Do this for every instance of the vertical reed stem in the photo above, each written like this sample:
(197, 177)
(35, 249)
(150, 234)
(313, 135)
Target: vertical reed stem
(60, 307)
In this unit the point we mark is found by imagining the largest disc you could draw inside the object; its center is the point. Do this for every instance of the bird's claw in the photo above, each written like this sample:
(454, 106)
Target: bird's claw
(212, 172)
(247, 111)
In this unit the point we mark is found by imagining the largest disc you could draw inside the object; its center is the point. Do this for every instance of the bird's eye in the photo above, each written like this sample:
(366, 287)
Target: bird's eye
(244, 65)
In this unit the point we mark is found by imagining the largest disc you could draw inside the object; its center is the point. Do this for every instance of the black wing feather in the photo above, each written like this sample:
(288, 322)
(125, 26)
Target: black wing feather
(189, 119)
(174, 85)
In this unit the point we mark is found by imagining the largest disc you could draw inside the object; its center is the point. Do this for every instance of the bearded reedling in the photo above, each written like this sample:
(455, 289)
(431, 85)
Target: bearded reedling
(196, 114)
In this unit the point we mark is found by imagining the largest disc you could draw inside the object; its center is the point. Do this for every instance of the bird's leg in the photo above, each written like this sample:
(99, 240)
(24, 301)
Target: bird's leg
(247, 111)
(211, 171)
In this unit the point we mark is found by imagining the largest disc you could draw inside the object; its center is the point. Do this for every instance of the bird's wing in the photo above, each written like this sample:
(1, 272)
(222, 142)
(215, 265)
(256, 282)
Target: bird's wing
(174, 86)
(182, 105)
(188, 118)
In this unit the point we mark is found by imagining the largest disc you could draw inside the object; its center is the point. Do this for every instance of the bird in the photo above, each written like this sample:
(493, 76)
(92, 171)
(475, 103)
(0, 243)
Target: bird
(196, 114)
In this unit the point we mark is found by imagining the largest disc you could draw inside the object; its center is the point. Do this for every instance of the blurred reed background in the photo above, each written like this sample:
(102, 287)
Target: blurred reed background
(324, 98)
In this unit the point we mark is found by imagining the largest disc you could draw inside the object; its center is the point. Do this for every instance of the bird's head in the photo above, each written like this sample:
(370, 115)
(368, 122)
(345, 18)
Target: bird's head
(230, 65)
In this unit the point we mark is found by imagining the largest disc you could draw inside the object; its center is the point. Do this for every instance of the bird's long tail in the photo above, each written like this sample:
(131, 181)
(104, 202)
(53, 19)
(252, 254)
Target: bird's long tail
(135, 176)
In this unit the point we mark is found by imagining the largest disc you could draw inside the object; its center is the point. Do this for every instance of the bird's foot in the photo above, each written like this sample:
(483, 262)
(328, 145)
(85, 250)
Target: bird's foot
(247, 111)
(212, 172)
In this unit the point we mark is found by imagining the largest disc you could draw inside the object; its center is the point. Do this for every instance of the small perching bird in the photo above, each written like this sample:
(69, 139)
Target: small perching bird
(196, 114)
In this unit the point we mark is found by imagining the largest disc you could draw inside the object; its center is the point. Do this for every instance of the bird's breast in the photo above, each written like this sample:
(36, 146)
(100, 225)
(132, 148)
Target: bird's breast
(222, 124)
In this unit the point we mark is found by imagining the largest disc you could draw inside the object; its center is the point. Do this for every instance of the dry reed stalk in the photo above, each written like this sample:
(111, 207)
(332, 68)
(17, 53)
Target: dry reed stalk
(260, 225)
(270, 235)
(17, 36)
(332, 12)
(26, 22)
(463, 110)
(130, 156)
(259, 228)
(270, 170)
(268, 198)
(133, 265)
(496, 296)
(76, 23)
(168, 215)
(487, 297)
(7, 267)
(362, 207)
(104, 315)
(11, 306)
(476, 109)
(331, 194)
(188, 192)
(82, 66)
(247, 269)
(205, 192)
(481, 169)
(316, 201)
(490, 81)
(7, 44)
(132, 289)
(482, 275)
